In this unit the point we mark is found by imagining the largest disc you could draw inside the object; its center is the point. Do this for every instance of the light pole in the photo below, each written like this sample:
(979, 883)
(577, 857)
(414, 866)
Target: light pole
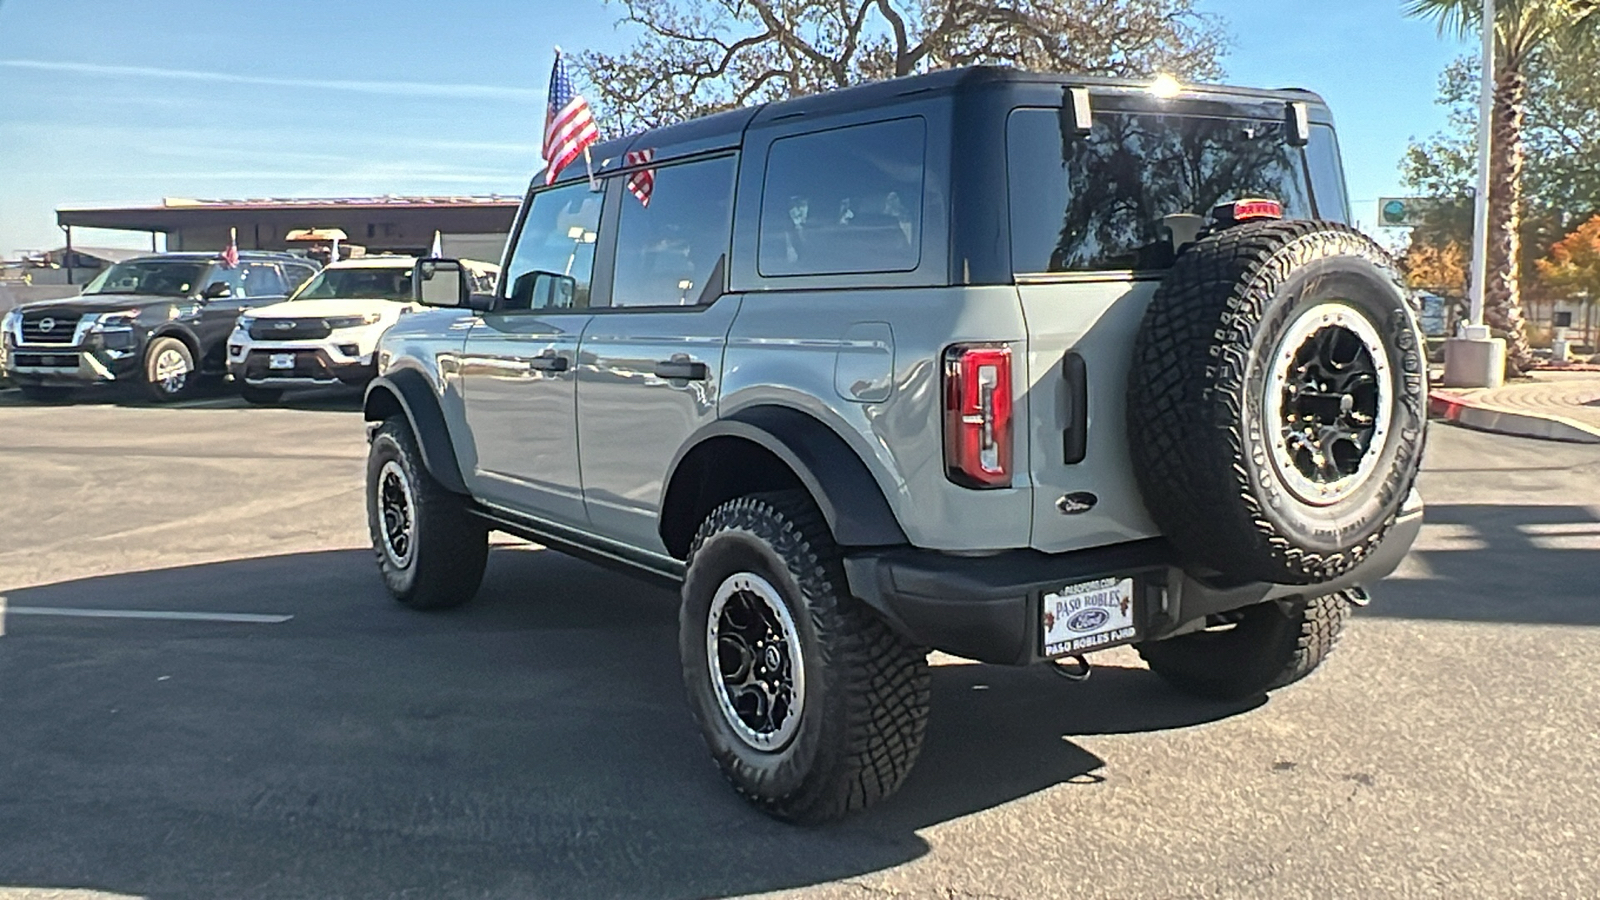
(1473, 358)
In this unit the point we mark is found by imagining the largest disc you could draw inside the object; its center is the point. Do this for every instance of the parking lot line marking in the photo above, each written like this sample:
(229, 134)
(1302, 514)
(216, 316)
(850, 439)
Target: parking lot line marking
(256, 618)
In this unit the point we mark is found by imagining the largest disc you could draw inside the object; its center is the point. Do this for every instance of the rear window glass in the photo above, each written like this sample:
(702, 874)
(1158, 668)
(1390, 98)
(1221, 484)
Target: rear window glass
(844, 201)
(1095, 202)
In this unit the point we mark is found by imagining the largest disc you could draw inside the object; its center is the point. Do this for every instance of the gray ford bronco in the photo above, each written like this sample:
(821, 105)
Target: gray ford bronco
(1007, 365)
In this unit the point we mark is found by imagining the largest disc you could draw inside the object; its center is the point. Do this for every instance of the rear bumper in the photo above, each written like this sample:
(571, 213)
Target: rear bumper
(988, 608)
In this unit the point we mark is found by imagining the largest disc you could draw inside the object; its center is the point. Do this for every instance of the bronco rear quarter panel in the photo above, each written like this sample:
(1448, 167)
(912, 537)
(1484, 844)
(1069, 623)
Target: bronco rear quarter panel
(786, 349)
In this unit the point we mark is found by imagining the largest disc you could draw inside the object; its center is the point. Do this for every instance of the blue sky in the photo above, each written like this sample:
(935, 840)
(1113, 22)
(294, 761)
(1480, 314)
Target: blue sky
(109, 102)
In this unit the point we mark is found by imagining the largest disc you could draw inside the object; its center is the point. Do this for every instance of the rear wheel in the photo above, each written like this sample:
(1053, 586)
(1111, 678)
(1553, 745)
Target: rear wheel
(812, 706)
(260, 396)
(431, 550)
(1253, 650)
(169, 370)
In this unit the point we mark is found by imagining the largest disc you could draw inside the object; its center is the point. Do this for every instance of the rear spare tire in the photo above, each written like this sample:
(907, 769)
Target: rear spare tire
(1277, 401)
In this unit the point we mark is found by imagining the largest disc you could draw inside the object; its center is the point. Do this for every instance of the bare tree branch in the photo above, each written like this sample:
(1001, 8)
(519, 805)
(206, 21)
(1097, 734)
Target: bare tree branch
(695, 57)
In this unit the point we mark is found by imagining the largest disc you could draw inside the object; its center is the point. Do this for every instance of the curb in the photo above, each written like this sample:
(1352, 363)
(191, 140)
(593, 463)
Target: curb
(1546, 426)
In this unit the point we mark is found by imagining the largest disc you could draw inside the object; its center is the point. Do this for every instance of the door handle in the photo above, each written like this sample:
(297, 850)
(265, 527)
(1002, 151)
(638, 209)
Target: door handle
(681, 369)
(548, 364)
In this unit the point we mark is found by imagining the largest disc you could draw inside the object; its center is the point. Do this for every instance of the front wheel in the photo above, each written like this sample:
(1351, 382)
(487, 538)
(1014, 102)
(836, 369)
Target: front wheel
(431, 550)
(811, 705)
(169, 370)
(1252, 650)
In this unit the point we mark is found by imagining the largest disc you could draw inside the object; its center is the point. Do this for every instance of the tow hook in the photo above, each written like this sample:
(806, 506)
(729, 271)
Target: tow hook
(1358, 596)
(1078, 672)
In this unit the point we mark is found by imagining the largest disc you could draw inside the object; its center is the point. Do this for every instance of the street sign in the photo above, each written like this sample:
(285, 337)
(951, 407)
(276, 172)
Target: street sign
(1406, 212)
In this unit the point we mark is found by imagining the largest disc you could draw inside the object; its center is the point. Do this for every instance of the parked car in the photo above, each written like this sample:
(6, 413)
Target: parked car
(325, 334)
(1008, 365)
(160, 321)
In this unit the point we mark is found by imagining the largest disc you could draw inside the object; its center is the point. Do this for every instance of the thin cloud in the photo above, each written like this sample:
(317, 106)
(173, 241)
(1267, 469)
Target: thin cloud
(383, 88)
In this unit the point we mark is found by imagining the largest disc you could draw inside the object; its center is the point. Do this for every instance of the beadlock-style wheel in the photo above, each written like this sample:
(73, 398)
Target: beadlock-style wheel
(1329, 395)
(395, 505)
(1277, 402)
(753, 651)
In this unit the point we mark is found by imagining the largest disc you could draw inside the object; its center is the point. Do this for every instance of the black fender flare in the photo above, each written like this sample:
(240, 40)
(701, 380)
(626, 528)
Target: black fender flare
(180, 330)
(408, 391)
(848, 496)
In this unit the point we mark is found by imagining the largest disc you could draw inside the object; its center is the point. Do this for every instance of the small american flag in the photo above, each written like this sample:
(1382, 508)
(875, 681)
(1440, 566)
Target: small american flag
(568, 125)
(230, 254)
(642, 182)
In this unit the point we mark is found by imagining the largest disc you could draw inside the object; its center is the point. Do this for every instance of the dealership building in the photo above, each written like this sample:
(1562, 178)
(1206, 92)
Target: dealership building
(472, 227)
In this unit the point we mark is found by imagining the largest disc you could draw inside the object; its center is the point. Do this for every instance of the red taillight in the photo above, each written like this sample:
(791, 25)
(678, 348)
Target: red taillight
(977, 415)
(1244, 210)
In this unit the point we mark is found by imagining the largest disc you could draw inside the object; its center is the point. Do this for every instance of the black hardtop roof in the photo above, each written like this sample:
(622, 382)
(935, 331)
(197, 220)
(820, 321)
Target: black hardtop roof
(725, 129)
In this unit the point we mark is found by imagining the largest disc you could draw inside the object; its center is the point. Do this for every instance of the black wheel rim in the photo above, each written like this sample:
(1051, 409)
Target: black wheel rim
(396, 521)
(756, 666)
(1328, 401)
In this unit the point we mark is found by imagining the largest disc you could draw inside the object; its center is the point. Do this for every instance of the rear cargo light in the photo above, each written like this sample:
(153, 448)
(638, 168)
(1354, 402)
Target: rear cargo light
(1244, 210)
(977, 415)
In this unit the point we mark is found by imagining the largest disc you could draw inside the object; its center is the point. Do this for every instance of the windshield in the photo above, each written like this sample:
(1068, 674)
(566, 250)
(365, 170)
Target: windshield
(149, 276)
(1095, 202)
(365, 284)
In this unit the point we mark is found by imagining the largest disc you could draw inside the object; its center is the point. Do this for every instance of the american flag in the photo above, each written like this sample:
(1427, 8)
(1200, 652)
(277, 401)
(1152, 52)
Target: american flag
(568, 125)
(642, 182)
(230, 254)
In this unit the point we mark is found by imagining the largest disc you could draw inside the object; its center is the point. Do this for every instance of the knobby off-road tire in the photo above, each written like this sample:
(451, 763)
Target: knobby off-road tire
(1277, 401)
(1268, 646)
(845, 719)
(170, 370)
(431, 550)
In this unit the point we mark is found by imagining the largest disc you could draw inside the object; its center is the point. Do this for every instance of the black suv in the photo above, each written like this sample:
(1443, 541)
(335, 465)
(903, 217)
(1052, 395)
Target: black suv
(161, 321)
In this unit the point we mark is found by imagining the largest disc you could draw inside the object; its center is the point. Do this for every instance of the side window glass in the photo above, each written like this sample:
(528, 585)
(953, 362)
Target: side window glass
(233, 278)
(297, 274)
(557, 238)
(1327, 175)
(262, 280)
(673, 234)
(843, 201)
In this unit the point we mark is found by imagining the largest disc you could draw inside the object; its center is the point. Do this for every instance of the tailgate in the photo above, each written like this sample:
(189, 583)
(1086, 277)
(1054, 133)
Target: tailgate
(1096, 320)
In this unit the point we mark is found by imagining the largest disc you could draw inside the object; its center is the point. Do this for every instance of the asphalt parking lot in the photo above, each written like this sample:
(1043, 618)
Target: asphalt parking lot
(295, 733)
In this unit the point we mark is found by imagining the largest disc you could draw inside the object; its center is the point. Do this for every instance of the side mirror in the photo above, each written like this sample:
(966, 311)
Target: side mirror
(442, 282)
(216, 290)
(544, 290)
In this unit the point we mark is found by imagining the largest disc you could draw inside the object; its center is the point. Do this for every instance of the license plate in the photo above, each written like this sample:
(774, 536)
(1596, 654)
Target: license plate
(281, 361)
(1089, 616)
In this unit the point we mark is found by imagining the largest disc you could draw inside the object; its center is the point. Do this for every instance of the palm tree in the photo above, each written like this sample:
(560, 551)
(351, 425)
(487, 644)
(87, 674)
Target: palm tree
(1522, 27)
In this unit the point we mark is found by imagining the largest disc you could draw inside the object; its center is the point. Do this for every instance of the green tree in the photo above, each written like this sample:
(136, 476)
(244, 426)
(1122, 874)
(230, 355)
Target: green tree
(695, 57)
(1522, 28)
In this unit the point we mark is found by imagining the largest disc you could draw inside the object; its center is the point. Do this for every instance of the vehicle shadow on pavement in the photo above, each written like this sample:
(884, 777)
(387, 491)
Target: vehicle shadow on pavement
(204, 396)
(1499, 563)
(533, 743)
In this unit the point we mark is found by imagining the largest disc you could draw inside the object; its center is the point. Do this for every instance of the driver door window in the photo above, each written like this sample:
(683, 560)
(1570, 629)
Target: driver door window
(558, 237)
